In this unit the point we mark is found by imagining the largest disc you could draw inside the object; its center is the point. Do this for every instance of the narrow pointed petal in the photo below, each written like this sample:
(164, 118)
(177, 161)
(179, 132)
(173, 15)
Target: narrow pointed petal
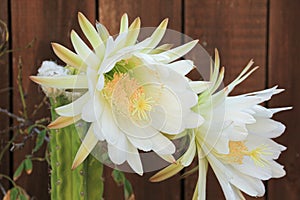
(68, 56)
(189, 155)
(102, 31)
(167, 172)
(176, 53)
(134, 160)
(195, 194)
(199, 86)
(124, 23)
(157, 35)
(91, 34)
(182, 67)
(276, 110)
(74, 108)
(169, 158)
(62, 82)
(240, 78)
(88, 143)
(218, 81)
(133, 32)
(62, 122)
(162, 48)
(84, 51)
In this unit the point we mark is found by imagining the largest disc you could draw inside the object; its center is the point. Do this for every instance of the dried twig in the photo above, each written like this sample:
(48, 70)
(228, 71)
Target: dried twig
(20, 87)
(5, 89)
(29, 45)
(9, 114)
(2, 189)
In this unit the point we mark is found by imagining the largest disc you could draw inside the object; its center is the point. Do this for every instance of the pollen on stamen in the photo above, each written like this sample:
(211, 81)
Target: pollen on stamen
(140, 104)
(128, 97)
(237, 150)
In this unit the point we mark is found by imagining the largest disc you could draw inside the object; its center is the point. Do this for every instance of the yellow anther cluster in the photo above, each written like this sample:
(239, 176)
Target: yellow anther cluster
(238, 149)
(140, 104)
(127, 96)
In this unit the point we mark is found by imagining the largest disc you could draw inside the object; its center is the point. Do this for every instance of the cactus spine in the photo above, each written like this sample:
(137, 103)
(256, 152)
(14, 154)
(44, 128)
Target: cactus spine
(83, 183)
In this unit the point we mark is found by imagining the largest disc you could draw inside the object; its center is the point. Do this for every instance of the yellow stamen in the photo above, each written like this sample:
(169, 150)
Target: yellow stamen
(140, 104)
(127, 96)
(256, 155)
(238, 150)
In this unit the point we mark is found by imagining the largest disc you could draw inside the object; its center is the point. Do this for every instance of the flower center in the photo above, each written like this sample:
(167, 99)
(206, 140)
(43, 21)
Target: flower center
(238, 149)
(140, 104)
(127, 97)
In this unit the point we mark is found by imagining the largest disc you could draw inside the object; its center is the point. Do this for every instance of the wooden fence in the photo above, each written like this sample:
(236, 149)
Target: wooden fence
(266, 30)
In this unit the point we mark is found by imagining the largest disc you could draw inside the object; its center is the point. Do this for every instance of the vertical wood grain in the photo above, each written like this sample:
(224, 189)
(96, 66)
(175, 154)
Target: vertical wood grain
(46, 21)
(238, 30)
(284, 59)
(4, 101)
(151, 14)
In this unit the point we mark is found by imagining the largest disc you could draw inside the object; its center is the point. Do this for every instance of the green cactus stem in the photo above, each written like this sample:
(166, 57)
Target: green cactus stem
(83, 183)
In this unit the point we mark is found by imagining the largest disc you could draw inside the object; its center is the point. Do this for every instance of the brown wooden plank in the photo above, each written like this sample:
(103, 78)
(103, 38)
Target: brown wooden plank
(284, 47)
(46, 21)
(4, 101)
(151, 13)
(238, 30)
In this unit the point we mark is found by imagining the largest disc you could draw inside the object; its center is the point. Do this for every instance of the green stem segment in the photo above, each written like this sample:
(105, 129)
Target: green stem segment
(83, 183)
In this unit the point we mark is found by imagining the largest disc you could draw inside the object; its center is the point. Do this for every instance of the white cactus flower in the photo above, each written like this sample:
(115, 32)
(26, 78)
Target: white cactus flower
(235, 139)
(136, 91)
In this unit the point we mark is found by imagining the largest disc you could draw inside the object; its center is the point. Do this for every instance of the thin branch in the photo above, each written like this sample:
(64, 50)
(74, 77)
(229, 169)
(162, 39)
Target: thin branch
(5, 89)
(12, 128)
(38, 159)
(39, 106)
(8, 178)
(29, 45)
(20, 87)
(9, 114)
(6, 147)
(2, 189)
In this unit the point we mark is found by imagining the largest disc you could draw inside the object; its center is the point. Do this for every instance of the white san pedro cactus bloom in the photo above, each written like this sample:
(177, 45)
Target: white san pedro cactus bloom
(235, 139)
(135, 91)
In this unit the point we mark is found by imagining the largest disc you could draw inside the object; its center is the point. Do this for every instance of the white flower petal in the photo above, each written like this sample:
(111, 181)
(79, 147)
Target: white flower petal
(124, 23)
(87, 145)
(182, 67)
(134, 160)
(62, 82)
(175, 53)
(162, 145)
(277, 170)
(98, 131)
(74, 108)
(199, 86)
(91, 34)
(156, 36)
(133, 32)
(86, 54)
(118, 152)
(249, 168)
(192, 119)
(68, 56)
(109, 128)
(102, 31)
(268, 128)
